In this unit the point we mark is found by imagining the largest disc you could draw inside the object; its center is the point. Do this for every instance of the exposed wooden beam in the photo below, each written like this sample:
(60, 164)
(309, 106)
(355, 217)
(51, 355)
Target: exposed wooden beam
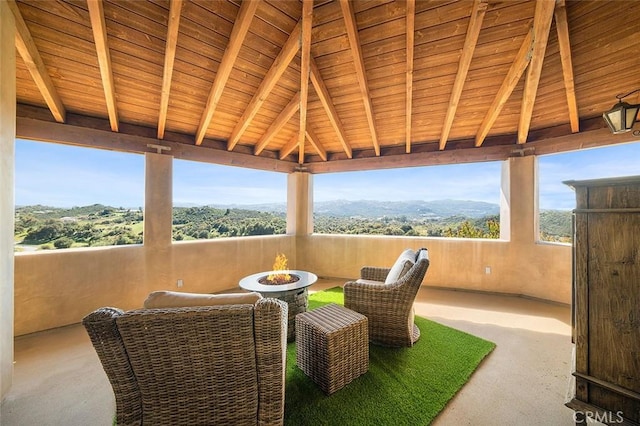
(175, 7)
(329, 107)
(35, 123)
(69, 134)
(475, 24)
(305, 59)
(509, 83)
(358, 60)
(562, 27)
(541, 26)
(282, 119)
(568, 142)
(416, 159)
(31, 56)
(315, 143)
(99, 27)
(411, 28)
(289, 147)
(238, 33)
(280, 64)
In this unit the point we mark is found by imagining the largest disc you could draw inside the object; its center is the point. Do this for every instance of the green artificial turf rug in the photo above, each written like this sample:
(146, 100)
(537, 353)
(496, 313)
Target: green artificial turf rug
(404, 386)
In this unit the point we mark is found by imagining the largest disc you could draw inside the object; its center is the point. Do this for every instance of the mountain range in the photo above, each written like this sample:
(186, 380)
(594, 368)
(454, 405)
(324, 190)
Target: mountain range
(375, 209)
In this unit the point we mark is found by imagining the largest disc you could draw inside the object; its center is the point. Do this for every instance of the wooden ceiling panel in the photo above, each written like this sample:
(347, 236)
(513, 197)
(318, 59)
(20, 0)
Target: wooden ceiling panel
(603, 44)
(279, 16)
(224, 13)
(25, 87)
(428, 21)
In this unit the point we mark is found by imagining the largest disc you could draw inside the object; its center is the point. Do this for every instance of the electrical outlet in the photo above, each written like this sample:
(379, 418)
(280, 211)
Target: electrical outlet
(487, 270)
(180, 283)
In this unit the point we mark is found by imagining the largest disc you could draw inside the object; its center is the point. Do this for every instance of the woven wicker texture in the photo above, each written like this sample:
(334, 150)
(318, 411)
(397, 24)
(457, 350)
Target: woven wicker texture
(195, 366)
(388, 307)
(332, 346)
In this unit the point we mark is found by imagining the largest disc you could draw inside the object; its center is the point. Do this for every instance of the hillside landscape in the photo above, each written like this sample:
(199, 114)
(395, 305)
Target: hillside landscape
(41, 227)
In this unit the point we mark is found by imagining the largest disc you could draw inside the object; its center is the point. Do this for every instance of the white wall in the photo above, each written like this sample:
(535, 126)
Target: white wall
(7, 156)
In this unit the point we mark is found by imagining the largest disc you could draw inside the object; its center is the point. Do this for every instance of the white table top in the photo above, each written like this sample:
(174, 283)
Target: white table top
(251, 282)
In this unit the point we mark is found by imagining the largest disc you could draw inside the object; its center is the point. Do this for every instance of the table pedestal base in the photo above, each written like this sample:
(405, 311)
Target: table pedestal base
(295, 294)
(298, 301)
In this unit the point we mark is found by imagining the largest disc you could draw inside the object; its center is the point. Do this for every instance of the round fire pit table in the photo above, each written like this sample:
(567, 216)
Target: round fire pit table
(295, 293)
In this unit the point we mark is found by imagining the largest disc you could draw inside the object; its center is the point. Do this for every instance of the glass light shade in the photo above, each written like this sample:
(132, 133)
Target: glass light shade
(621, 117)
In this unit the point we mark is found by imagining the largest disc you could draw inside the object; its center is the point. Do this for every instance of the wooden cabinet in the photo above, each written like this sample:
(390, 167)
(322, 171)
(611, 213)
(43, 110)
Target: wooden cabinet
(606, 300)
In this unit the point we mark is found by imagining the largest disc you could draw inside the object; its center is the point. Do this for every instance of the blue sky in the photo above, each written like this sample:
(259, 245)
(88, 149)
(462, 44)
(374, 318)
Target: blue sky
(66, 176)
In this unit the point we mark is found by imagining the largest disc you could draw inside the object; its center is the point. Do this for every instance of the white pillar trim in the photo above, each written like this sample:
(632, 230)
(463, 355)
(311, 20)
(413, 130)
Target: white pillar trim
(7, 196)
(300, 204)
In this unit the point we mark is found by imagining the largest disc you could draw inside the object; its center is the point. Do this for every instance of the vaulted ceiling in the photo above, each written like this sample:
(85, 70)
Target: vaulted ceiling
(327, 84)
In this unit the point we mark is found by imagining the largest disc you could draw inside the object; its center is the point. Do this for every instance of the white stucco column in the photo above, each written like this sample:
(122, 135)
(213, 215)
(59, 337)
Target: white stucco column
(300, 204)
(7, 199)
(158, 218)
(158, 200)
(519, 200)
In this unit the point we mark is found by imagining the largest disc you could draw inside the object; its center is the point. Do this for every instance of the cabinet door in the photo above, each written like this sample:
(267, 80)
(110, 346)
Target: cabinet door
(614, 308)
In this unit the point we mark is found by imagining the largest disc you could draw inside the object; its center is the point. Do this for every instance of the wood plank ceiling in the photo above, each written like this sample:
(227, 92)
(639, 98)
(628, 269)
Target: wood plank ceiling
(314, 83)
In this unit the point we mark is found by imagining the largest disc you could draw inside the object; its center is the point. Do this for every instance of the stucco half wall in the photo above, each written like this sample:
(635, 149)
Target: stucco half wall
(58, 288)
(536, 270)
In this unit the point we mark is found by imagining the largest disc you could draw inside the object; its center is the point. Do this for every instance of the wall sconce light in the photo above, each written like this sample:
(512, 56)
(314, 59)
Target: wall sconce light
(622, 116)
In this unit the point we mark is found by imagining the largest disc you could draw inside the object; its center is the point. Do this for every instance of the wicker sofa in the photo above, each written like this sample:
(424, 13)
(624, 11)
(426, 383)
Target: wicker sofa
(386, 295)
(199, 365)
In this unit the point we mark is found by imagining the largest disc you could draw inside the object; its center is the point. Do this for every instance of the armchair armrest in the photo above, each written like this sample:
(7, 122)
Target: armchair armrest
(374, 273)
(105, 337)
(368, 297)
(271, 351)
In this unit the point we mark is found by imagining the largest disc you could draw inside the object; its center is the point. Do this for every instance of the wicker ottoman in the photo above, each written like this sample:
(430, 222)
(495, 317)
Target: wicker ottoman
(332, 345)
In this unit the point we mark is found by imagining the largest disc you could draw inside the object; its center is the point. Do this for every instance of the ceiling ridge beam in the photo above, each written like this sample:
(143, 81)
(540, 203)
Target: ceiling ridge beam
(411, 28)
(305, 59)
(522, 59)
(31, 56)
(280, 64)
(175, 8)
(541, 28)
(358, 60)
(562, 26)
(329, 107)
(282, 119)
(316, 144)
(473, 31)
(99, 27)
(236, 38)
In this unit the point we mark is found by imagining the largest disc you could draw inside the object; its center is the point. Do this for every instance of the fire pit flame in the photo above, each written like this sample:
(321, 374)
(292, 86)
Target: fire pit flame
(280, 264)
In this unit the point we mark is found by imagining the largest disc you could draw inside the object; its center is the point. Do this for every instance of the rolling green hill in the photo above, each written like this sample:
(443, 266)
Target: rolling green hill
(44, 227)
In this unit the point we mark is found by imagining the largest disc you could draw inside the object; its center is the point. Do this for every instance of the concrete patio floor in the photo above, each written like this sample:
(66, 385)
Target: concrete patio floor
(58, 379)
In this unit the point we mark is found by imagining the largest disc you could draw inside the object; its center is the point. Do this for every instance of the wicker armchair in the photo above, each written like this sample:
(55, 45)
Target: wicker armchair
(194, 366)
(389, 306)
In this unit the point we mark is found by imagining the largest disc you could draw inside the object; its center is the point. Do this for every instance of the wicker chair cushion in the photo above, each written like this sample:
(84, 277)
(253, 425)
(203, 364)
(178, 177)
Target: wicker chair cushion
(174, 299)
(405, 261)
(370, 282)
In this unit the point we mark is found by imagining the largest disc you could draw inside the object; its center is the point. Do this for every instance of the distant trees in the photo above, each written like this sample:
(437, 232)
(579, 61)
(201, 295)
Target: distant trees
(489, 229)
(453, 227)
(100, 225)
(95, 225)
(63, 243)
(208, 222)
(48, 231)
(555, 225)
